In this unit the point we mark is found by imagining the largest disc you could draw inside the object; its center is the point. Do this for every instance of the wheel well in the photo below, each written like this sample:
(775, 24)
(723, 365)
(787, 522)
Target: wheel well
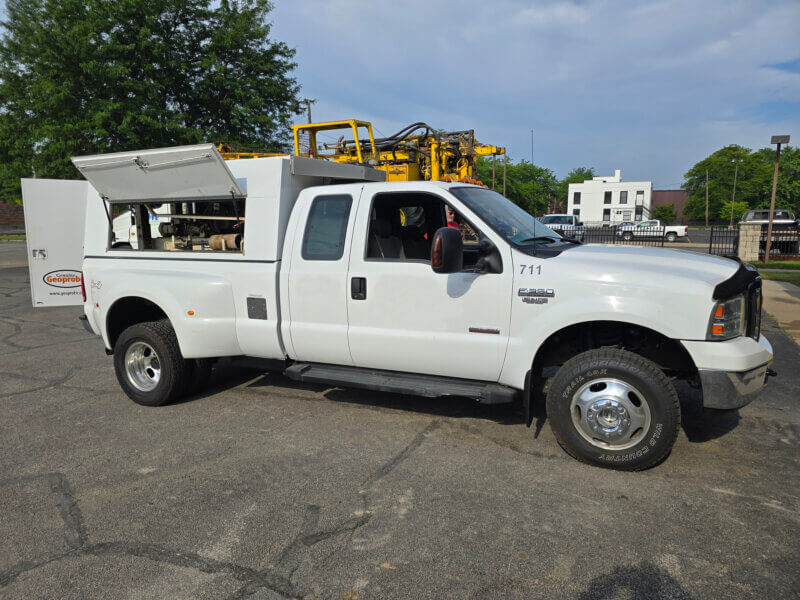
(668, 354)
(130, 311)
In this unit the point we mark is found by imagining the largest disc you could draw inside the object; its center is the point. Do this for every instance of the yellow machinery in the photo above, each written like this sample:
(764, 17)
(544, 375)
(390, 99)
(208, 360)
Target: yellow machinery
(228, 153)
(416, 152)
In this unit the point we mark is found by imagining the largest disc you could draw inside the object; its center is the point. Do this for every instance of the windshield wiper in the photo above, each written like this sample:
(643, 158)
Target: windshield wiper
(539, 238)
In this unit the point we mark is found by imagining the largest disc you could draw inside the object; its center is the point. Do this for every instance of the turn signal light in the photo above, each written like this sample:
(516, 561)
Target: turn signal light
(83, 288)
(727, 319)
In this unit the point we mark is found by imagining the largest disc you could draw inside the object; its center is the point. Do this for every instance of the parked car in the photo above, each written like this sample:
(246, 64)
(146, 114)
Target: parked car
(785, 231)
(566, 225)
(652, 229)
(781, 217)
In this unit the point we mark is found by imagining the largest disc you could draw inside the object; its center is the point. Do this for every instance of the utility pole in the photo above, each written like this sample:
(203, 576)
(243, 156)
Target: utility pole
(308, 107)
(533, 180)
(733, 197)
(505, 160)
(494, 162)
(776, 139)
(706, 198)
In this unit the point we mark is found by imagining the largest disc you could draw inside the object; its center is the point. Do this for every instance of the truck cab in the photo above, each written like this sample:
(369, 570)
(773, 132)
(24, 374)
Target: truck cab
(327, 273)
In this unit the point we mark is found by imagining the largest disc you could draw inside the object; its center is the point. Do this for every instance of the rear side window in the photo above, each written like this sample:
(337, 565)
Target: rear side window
(326, 227)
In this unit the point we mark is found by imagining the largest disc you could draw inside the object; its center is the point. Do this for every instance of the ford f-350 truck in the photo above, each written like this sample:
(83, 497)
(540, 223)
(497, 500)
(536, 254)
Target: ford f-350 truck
(329, 274)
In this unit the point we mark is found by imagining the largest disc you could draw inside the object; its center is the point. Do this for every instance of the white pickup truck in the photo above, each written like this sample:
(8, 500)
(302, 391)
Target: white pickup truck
(328, 274)
(566, 225)
(652, 229)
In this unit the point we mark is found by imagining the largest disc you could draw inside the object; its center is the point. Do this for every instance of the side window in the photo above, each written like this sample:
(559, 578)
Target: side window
(402, 225)
(326, 227)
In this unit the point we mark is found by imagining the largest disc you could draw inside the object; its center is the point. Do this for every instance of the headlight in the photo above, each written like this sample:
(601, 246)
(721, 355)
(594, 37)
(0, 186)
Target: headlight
(727, 319)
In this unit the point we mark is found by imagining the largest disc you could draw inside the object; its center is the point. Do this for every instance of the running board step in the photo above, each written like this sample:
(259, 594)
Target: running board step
(430, 386)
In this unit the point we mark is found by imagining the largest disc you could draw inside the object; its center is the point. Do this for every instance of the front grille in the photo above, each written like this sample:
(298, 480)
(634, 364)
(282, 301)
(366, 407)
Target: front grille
(753, 314)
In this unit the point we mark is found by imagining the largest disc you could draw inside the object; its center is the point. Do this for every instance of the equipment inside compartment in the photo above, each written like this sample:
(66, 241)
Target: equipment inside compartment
(200, 226)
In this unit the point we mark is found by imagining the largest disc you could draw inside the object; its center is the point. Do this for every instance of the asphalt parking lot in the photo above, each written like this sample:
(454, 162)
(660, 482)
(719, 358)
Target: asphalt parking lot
(262, 488)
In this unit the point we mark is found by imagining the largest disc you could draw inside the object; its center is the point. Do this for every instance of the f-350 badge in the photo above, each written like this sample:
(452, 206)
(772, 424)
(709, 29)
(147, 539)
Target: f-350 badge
(536, 295)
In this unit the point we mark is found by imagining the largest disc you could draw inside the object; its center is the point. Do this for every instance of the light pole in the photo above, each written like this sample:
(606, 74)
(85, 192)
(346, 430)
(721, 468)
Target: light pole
(776, 139)
(737, 162)
(533, 180)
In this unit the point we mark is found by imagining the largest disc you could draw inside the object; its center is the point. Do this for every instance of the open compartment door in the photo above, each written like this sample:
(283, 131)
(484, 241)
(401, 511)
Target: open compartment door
(161, 175)
(55, 214)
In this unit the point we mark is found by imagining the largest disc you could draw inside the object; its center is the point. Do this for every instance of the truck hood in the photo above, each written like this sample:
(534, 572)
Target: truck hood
(618, 263)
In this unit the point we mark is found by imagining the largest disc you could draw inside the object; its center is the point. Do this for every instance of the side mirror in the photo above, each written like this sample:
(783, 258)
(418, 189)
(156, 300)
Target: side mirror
(447, 251)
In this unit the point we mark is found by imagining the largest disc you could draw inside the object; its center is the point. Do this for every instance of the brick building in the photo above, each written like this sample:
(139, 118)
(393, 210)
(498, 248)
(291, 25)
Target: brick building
(677, 198)
(11, 215)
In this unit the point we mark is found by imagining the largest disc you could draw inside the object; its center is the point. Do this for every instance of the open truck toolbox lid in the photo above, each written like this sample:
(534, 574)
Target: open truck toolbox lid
(162, 174)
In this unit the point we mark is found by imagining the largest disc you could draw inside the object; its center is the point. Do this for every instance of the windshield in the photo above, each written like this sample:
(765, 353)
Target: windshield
(506, 218)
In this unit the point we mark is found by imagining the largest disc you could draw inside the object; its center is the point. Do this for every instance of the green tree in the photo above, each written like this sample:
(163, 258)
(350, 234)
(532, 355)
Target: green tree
(739, 208)
(753, 181)
(665, 213)
(528, 186)
(89, 76)
(787, 193)
(577, 175)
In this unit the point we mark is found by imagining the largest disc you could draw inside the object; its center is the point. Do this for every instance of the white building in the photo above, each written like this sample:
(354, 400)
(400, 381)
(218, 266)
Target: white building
(609, 200)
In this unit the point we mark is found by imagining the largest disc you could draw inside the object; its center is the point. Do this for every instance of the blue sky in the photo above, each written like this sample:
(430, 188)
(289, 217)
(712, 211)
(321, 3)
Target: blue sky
(646, 87)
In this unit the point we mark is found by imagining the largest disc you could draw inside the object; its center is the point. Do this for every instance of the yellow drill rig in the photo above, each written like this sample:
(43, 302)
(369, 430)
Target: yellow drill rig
(416, 152)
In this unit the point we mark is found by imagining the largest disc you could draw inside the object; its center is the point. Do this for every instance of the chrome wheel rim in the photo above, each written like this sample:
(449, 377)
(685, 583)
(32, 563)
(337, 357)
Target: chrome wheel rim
(610, 414)
(142, 366)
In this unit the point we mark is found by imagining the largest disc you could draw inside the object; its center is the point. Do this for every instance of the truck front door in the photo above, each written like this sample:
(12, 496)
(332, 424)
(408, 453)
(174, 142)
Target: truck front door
(403, 316)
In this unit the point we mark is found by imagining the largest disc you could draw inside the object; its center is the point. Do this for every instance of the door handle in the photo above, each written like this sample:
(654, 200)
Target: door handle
(358, 288)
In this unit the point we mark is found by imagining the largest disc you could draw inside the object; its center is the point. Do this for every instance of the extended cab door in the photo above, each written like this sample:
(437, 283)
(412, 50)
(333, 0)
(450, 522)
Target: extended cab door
(55, 213)
(405, 317)
(321, 233)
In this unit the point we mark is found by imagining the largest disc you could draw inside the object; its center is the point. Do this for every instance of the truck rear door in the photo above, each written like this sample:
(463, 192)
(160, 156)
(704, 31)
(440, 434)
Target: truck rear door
(55, 212)
(321, 232)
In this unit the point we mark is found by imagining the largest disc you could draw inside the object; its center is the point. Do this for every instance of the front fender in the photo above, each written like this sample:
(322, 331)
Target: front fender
(529, 331)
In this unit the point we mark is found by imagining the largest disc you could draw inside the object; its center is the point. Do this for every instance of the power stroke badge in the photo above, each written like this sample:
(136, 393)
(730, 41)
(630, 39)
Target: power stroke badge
(536, 295)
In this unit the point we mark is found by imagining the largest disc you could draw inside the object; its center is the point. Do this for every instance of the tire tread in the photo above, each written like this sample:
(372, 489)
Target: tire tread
(621, 359)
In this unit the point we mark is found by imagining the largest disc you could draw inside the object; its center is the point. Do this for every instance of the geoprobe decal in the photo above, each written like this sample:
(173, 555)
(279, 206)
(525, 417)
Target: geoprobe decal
(64, 278)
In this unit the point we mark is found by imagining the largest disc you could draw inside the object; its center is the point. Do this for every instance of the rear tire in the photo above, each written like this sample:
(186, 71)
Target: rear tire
(614, 409)
(672, 236)
(149, 365)
(627, 236)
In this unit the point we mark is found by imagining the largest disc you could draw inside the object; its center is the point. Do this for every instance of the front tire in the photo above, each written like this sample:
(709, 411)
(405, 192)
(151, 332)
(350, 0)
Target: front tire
(627, 236)
(614, 409)
(149, 365)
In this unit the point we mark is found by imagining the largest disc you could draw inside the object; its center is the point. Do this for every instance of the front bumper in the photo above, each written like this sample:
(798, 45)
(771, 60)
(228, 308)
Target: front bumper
(733, 372)
(729, 390)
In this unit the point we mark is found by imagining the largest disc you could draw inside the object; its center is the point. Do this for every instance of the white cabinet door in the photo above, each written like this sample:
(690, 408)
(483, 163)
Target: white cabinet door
(55, 214)
(414, 320)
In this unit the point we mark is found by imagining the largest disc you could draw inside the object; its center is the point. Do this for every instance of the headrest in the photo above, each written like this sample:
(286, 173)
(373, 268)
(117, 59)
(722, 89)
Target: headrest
(382, 228)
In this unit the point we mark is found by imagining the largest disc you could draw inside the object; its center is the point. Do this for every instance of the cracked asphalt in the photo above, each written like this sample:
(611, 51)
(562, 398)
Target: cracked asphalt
(266, 489)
